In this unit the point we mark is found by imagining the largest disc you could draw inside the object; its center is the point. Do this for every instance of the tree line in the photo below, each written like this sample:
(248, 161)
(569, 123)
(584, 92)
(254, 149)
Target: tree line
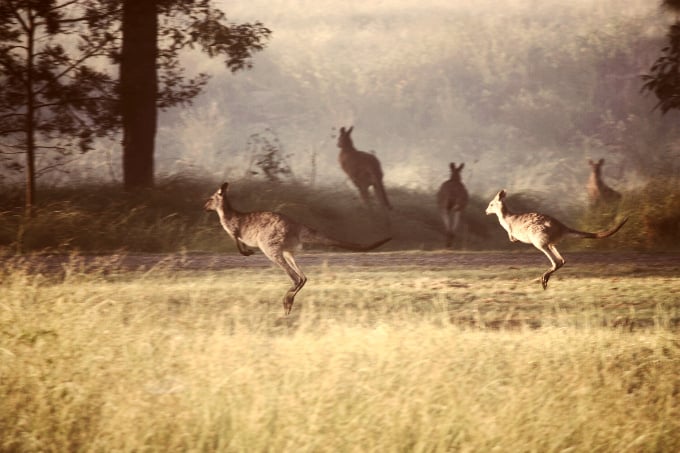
(76, 70)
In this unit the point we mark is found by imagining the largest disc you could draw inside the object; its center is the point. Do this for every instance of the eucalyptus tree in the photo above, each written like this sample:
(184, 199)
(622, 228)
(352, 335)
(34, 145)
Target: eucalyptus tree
(58, 62)
(55, 98)
(664, 77)
(153, 34)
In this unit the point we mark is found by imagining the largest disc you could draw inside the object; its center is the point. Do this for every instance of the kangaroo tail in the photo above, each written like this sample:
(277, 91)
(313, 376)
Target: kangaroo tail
(601, 234)
(362, 247)
(311, 236)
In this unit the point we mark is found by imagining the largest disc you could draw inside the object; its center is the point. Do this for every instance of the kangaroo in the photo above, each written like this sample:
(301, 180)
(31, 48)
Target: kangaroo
(362, 168)
(452, 198)
(540, 230)
(276, 235)
(599, 192)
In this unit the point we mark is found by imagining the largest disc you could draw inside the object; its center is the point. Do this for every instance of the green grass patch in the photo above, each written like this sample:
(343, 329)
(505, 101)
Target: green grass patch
(380, 359)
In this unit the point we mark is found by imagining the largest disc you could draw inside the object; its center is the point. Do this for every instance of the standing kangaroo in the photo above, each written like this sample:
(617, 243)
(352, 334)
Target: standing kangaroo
(540, 230)
(599, 192)
(362, 168)
(276, 235)
(452, 198)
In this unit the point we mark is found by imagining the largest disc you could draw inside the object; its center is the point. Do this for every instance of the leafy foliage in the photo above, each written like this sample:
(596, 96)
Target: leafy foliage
(185, 25)
(673, 5)
(49, 92)
(268, 155)
(664, 80)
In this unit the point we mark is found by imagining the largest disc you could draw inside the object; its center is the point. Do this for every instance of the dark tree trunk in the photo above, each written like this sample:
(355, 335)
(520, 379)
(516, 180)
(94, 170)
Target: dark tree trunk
(138, 91)
(30, 121)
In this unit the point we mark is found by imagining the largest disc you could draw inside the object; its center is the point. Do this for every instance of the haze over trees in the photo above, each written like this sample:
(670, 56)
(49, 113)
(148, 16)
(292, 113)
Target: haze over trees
(524, 92)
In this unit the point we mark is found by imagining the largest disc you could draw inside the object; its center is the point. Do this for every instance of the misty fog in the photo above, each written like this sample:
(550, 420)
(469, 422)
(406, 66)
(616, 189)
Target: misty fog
(522, 91)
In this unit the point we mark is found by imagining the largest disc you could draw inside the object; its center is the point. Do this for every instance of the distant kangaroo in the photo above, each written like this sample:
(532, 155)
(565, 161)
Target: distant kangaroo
(276, 235)
(599, 192)
(362, 168)
(452, 199)
(540, 230)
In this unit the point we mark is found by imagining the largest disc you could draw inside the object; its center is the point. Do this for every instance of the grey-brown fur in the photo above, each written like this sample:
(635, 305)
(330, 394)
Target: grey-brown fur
(600, 193)
(452, 198)
(540, 230)
(362, 168)
(276, 235)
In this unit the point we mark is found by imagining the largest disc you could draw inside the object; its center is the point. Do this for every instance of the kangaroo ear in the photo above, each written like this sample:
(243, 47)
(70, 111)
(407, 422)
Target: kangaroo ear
(223, 189)
(452, 166)
(351, 128)
(501, 194)
(590, 161)
(342, 130)
(601, 161)
(460, 167)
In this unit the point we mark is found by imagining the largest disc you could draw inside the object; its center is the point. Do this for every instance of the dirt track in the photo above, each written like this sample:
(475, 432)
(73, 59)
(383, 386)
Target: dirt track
(436, 259)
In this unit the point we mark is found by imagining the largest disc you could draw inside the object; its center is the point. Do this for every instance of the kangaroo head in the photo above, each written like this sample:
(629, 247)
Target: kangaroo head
(217, 199)
(596, 166)
(455, 171)
(344, 139)
(496, 205)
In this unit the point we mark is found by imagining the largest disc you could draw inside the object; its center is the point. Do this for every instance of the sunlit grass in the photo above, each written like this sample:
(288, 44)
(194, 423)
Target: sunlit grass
(387, 359)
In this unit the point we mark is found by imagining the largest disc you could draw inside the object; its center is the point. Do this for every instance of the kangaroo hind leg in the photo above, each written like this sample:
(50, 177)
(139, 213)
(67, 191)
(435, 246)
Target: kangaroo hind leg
(447, 217)
(455, 224)
(555, 259)
(379, 189)
(299, 280)
(285, 261)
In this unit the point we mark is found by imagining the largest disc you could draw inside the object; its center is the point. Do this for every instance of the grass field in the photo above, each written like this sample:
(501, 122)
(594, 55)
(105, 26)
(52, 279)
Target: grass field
(395, 358)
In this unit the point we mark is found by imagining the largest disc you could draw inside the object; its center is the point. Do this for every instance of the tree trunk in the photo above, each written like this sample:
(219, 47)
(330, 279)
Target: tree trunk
(138, 91)
(30, 121)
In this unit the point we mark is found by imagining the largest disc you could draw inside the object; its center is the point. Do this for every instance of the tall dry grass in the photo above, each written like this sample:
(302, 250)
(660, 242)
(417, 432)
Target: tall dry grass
(370, 361)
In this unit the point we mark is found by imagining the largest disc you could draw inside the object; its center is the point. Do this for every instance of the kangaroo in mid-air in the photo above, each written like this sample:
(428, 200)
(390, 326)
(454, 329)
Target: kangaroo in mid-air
(599, 192)
(277, 236)
(452, 199)
(540, 230)
(362, 168)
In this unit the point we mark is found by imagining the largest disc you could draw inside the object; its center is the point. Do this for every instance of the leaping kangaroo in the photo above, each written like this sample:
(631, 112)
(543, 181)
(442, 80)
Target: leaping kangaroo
(277, 236)
(452, 199)
(362, 168)
(599, 192)
(540, 230)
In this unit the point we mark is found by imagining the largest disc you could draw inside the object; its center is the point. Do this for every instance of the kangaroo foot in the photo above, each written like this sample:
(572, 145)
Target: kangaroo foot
(544, 280)
(288, 303)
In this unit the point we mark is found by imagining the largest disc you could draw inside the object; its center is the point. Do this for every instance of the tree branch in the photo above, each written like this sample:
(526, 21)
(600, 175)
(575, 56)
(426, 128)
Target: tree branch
(64, 5)
(68, 101)
(74, 64)
(15, 13)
